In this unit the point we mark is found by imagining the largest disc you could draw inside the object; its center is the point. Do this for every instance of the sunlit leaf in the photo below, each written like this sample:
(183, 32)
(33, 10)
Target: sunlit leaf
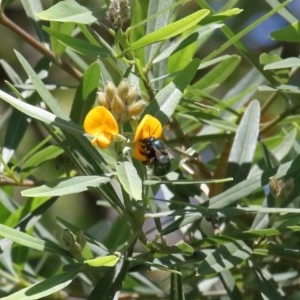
(68, 11)
(171, 29)
(290, 62)
(244, 144)
(130, 179)
(65, 186)
(290, 33)
(225, 257)
(104, 261)
(44, 288)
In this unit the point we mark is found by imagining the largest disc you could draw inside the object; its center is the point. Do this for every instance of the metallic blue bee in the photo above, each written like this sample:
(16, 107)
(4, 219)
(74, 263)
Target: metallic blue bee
(157, 154)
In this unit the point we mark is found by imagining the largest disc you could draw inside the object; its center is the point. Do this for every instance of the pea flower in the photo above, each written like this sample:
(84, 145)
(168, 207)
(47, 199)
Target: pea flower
(147, 128)
(100, 123)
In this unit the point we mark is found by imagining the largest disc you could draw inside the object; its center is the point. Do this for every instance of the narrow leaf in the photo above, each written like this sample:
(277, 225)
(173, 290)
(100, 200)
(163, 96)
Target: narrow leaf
(171, 30)
(68, 11)
(244, 144)
(290, 33)
(162, 12)
(248, 186)
(85, 93)
(41, 88)
(63, 28)
(169, 97)
(130, 179)
(290, 62)
(65, 186)
(79, 45)
(40, 114)
(218, 74)
(268, 287)
(225, 257)
(44, 288)
(30, 241)
(104, 261)
(42, 156)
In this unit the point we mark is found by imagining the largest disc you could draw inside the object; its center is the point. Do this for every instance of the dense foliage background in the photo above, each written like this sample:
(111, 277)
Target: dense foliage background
(78, 222)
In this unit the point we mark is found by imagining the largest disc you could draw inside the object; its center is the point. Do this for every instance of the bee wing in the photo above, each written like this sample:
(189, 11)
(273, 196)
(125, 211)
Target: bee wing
(174, 153)
(161, 155)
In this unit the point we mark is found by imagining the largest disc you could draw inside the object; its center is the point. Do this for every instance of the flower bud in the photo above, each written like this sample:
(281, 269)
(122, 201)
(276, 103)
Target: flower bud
(67, 239)
(136, 108)
(80, 239)
(131, 95)
(102, 100)
(110, 91)
(123, 89)
(118, 12)
(117, 105)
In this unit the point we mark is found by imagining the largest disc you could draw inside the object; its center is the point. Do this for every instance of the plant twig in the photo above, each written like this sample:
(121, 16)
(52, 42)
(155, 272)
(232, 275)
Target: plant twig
(5, 21)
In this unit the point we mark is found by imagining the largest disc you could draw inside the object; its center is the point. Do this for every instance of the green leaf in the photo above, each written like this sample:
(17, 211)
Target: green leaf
(181, 248)
(44, 288)
(170, 30)
(225, 257)
(280, 75)
(184, 181)
(266, 283)
(85, 93)
(15, 130)
(32, 8)
(169, 97)
(41, 88)
(162, 12)
(40, 157)
(230, 285)
(65, 186)
(62, 28)
(244, 144)
(40, 114)
(257, 181)
(30, 241)
(104, 261)
(290, 62)
(130, 179)
(286, 13)
(78, 45)
(218, 74)
(68, 11)
(290, 33)
(286, 88)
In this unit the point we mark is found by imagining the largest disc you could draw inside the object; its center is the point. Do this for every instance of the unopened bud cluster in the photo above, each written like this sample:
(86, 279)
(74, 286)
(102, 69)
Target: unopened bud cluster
(121, 101)
(118, 12)
(75, 247)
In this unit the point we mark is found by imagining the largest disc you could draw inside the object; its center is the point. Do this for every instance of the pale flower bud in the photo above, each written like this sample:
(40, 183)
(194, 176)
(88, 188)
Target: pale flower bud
(131, 95)
(136, 108)
(110, 91)
(102, 100)
(123, 89)
(118, 12)
(117, 105)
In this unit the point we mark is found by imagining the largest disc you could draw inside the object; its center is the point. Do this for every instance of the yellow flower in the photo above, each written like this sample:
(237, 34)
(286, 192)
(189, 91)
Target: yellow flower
(147, 128)
(101, 124)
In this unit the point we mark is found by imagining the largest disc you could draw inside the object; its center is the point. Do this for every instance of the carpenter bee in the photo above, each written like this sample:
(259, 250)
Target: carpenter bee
(156, 152)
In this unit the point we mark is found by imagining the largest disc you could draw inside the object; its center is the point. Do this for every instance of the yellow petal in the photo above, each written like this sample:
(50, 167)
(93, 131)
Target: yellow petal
(148, 127)
(103, 140)
(100, 120)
